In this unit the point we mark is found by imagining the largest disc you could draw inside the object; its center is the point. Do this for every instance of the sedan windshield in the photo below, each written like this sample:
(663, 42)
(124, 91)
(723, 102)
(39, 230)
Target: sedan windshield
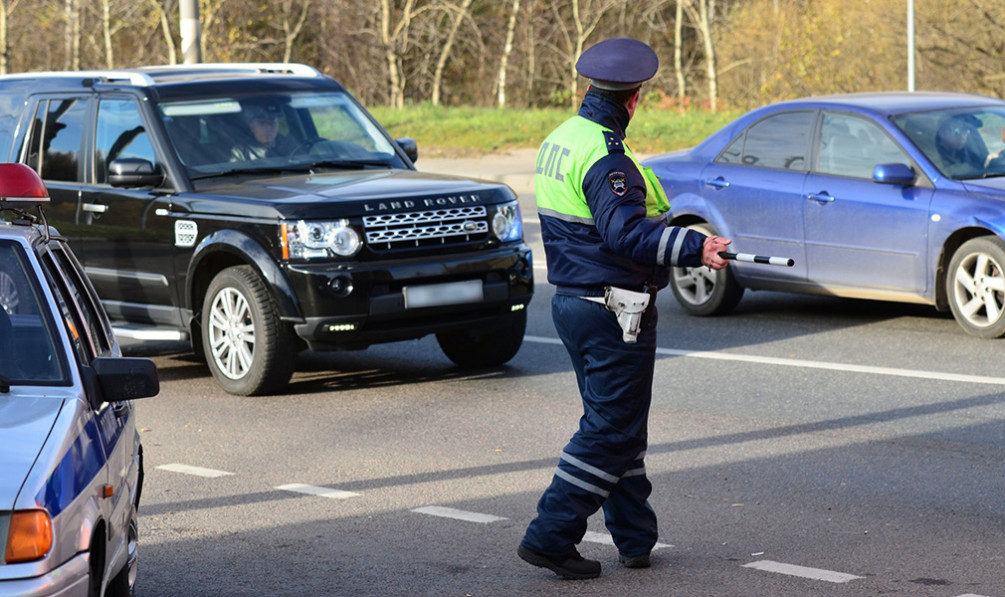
(961, 143)
(244, 134)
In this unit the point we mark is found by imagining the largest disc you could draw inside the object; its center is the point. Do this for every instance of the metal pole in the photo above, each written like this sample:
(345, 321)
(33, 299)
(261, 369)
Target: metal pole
(910, 45)
(191, 34)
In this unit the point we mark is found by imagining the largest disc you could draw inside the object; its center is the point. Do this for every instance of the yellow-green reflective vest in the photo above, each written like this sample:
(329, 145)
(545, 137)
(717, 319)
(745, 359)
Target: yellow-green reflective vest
(565, 157)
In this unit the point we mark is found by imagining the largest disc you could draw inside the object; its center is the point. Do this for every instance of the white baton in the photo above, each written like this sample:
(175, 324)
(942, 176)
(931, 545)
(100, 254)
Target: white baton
(750, 258)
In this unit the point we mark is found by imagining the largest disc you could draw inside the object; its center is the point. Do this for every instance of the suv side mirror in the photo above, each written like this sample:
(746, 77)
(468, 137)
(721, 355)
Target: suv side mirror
(124, 378)
(410, 147)
(134, 172)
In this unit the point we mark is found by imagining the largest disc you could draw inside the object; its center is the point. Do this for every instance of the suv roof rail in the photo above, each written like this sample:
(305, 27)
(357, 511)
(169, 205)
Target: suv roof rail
(135, 78)
(292, 68)
(144, 76)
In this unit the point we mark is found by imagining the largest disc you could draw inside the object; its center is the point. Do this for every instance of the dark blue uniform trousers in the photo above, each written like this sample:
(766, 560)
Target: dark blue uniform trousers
(602, 465)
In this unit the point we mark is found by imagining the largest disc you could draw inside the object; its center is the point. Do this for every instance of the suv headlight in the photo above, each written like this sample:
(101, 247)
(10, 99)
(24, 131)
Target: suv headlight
(506, 223)
(319, 239)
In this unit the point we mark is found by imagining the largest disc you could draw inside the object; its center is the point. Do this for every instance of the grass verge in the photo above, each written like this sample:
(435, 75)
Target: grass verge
(463, 131)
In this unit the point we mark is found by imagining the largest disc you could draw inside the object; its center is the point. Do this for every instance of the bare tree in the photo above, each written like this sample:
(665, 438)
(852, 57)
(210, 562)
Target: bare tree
(6, 8)
(394, 40)
(292, 30)
(504, 59)
(702, 17)
(586, 15)
(71, 39)
(460, 13)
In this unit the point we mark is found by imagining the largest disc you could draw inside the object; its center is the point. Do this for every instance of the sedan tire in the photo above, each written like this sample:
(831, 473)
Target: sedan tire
(975, 286)
(703, 291)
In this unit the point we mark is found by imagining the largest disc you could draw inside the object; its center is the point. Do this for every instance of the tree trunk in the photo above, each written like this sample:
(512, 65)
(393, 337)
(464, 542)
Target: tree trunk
(507, 50)
(290, 34)
(706, 10)
(678, 42)
(106, 26)
(394, 46)
(462, 11)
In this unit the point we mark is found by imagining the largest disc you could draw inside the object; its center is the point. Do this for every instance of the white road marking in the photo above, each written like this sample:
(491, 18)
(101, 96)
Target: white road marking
(802, 571)
(325, 492)
(454, 513)
(198, 471)
(604, 538)
(971, 595)
(729, 356)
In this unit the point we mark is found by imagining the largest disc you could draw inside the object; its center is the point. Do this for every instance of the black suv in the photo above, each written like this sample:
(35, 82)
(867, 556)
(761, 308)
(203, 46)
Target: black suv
(258, 209)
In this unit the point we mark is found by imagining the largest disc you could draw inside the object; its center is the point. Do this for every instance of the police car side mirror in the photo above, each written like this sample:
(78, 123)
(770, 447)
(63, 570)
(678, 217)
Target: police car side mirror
(134, 172)
(410, 147)
(124, 378)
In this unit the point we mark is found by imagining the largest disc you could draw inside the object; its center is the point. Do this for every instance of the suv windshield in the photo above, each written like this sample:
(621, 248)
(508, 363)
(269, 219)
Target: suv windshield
(240, 133)
(961, 143)
(27, 345)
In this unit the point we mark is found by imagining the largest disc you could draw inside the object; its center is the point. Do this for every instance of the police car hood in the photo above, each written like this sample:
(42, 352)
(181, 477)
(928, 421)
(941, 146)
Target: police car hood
(334, 193)
(26, 421)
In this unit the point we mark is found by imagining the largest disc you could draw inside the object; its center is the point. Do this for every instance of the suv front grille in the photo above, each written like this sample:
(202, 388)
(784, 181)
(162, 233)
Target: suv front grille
(456, 225)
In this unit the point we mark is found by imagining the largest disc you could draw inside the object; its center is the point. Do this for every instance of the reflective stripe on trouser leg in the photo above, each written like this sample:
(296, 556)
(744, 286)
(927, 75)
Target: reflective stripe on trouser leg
(603, 460)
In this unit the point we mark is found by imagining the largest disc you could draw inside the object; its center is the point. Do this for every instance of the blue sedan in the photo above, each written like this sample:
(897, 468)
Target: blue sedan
(884, 196)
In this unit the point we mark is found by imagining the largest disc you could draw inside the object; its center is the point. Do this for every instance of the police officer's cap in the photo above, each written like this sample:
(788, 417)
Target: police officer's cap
(618, 63)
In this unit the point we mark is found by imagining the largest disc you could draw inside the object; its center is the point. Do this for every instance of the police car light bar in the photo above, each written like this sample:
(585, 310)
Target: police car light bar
(21, 187)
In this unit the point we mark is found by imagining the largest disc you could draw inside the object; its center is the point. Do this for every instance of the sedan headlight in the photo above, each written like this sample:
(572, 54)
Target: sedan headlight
(319, 239)
(506, 223)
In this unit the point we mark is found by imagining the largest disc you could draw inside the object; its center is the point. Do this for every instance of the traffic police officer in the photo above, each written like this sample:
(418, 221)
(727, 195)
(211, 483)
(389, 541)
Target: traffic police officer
(608, 248)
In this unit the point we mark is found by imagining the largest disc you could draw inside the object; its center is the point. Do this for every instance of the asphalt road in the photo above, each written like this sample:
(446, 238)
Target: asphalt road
(802, 446)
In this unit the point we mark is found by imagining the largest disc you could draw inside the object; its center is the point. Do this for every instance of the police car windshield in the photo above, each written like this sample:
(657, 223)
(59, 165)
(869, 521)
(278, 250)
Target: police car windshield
(27, 342)
(218, 136)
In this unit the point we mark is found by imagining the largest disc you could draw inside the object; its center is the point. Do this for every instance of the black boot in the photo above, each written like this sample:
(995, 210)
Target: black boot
(573, 566)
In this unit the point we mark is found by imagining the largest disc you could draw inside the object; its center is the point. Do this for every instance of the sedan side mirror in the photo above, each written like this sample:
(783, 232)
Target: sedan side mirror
(134, 172)
(124, 378)
(896, 174)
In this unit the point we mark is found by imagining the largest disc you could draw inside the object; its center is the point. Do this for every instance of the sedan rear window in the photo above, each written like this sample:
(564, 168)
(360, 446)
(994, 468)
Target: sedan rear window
(779, 141)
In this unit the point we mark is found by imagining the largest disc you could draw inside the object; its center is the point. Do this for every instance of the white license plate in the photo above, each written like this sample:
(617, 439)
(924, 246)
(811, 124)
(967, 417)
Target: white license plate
(452, 293)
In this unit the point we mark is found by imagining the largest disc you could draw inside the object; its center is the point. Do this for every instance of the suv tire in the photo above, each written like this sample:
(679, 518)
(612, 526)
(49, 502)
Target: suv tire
(487, 349)
(249, 350)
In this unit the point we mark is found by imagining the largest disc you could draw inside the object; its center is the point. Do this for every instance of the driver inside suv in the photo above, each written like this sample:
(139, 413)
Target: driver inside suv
(264, 139)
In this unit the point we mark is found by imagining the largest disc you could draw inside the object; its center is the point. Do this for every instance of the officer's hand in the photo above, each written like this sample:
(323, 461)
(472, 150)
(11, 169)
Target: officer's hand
(710, 252)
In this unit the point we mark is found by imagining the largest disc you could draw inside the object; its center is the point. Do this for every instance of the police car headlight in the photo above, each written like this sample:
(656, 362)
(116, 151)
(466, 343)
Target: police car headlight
(319, 239)
(506, 223)
(29, 537)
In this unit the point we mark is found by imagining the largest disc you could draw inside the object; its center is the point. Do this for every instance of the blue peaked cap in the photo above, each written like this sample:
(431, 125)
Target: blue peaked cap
(618, 63)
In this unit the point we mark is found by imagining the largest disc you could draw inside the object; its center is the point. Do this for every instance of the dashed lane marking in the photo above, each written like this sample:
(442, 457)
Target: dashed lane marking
(729, 356)
(198, 471)
(802, 571)
(605, 539)
(454, 513)
(325, 492)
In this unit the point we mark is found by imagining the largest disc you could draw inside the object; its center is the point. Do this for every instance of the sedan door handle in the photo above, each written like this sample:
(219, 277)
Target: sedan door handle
(95, 208)
(822, 197)
(718, 184)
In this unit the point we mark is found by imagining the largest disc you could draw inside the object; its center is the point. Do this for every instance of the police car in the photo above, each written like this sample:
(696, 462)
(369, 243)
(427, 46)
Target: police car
(71, 464)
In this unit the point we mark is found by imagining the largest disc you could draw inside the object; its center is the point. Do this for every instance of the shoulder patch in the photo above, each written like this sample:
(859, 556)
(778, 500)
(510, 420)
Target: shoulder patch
(613, 142)
(618, 182)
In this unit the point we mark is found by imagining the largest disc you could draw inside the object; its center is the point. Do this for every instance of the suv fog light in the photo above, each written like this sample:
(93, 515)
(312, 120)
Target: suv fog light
(341, 286)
